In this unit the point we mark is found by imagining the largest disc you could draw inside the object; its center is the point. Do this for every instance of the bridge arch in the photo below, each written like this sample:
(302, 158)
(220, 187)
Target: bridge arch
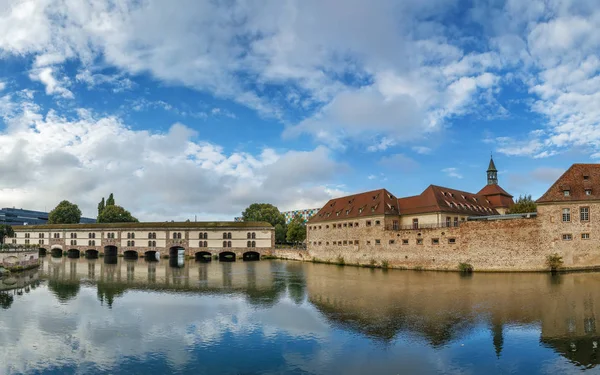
(110, 251)
(130, 254)
(251, 255)
(152, 255)
(91, 254)
(203, 256)
(56, 251)
(176, 251)
(42, 252)
(227, 256)
(73, 253)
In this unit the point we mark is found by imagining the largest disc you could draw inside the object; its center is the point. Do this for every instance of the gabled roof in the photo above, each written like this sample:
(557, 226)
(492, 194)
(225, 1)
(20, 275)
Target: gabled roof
(577, 179)
(442, 199)
(498, 196)
(376, 202)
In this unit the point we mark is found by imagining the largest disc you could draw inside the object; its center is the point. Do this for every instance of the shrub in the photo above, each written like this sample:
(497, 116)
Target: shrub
(372, 263)
(465, 267)
(554, 261)
(385, 264)
(419, 268)
(340, 260)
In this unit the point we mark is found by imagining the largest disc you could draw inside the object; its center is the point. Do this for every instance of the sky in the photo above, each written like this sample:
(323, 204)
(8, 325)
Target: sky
(196, 109)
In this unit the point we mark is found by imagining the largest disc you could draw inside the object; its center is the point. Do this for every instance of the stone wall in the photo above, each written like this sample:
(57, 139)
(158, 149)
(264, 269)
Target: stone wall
(497, 245)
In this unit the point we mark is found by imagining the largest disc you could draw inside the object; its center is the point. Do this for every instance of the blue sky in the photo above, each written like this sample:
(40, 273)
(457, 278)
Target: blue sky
(201, 108)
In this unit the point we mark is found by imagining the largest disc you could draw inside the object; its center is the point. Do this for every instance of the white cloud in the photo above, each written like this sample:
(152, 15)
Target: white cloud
(422, 150)
(452, 172)
(45, 158)
(53, 86)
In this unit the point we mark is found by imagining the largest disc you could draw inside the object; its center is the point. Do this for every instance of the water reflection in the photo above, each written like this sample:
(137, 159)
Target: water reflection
(299, 318)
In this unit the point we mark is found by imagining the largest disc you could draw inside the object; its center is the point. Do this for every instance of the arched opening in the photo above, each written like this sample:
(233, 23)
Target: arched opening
(73, 253)
(110, 251)
(130, 254)
(203, 256)
(42, 252)
(56, 253)
(227, 256)
(152, 255)
(91, 254)
(251, 255)
(176, 251)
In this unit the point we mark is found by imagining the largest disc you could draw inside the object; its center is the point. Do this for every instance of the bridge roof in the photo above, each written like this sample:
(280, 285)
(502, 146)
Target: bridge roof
(155, 225)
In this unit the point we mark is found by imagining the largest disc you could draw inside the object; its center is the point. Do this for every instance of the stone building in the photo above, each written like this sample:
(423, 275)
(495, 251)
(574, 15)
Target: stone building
(199, 239)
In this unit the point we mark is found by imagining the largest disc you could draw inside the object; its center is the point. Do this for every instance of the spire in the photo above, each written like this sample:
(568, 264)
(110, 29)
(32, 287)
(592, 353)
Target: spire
(492, 173)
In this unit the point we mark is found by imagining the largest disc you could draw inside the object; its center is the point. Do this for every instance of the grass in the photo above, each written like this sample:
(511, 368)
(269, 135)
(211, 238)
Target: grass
(385, 264)
(554, 262)
(419, 268)
(465, 267)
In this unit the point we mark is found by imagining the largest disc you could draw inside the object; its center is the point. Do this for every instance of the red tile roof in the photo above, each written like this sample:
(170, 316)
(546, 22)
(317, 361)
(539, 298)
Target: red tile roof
(442, 199)
(577, 179)
(498, 196)
(376, 202)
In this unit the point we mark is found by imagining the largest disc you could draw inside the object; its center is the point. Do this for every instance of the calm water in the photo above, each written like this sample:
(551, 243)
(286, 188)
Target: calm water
(272, 317)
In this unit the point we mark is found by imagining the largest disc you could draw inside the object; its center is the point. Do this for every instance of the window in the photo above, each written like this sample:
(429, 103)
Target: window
(415, 223)
(319, 243)
(339, 225)
(377, 222)
(339, 243)
(395, 225)
(27, 235)
(253, 243)
(456, 221)
(566, 215)
(128, 235)
(334, 242)
(356, 242)
(249, 244)
(345, 242)
(224, 236)
(56, 235)
(451, 241)
(228, 243)
(588, 191)
(566, 193)
(345, 225)
(435, 241)
(585, 236)
(368, 242)
(448, 221)
(392, 242)
(41, 235)
(377, 242)
(74, 242)
(584, 214)
(350, 225)
(405, 241)
(229, 236)
(567, 237)
(327, 243)
(224, 243)
(205, 236)
(73, 235)
(419, 241)
(150, 244)
(41, 242)
(326, 226)
(248, 235)
(356, 224)
(368, 223)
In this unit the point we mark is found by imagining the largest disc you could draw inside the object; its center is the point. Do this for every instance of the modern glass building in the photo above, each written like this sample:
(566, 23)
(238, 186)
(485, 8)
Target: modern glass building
(17, 216)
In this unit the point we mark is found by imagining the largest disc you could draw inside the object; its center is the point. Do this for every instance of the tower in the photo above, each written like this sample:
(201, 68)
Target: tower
(492, 173)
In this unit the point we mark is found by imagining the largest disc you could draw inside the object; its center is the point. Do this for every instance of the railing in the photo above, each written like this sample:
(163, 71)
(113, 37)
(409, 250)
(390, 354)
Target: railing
(423, 226)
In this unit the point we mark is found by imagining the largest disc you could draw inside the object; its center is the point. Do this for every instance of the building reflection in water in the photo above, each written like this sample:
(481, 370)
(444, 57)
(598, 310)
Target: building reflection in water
(441, 308)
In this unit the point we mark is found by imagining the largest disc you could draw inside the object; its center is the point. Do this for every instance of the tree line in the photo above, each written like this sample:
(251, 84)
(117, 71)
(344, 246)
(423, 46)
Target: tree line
(294, 232)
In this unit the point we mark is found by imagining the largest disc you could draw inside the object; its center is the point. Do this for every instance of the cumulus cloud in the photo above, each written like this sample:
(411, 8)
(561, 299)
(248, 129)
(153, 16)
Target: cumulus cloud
(452, 172)
(158, 176)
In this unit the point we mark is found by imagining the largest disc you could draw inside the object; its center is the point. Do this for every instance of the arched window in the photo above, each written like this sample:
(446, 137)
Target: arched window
(248, 235)
(253, 243)
(149, 243)
(249, 243)
(150, 235)
(229, 235)
(128, 236)
(224, 236)
(132, 236)
(132, 243)
(179, 236)
(153, 235)
(253, 235)
(224, 243)
(205, 244)
(128, 243)
(228, 243)
(174, 235)
(205, 235)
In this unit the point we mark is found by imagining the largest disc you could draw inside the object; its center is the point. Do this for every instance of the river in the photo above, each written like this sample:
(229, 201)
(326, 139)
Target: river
(273, 317)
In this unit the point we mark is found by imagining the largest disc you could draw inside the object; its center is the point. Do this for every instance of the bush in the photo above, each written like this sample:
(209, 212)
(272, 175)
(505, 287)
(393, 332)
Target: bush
(385, 264)
(554, 261)
(372, 263)
(340, 260)
(465, 267)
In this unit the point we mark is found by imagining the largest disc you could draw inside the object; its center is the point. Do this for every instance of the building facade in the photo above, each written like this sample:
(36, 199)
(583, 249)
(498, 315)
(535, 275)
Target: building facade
(194, 238)
(17, 216)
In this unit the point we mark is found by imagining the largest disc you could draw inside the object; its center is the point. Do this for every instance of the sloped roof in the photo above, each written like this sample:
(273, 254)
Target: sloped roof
(576, 179)
(147, 225)
(442, 199)
(376, 202)
(498, 196)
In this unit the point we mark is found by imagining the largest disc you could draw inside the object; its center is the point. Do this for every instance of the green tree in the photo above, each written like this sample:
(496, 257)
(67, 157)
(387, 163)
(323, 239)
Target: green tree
(116, 214)
(263, 212)
(523, 205)
(110, 201)
(65, 213)
(280, 233)
(296, 230)
(101, 206)
(5, 231)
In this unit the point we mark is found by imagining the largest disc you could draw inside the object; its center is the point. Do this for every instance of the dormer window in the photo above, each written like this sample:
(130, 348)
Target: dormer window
(588, 191)
(586, 177)
(566, 193)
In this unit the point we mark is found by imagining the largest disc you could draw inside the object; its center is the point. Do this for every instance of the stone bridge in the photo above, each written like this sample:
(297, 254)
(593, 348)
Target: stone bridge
(174, 248)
